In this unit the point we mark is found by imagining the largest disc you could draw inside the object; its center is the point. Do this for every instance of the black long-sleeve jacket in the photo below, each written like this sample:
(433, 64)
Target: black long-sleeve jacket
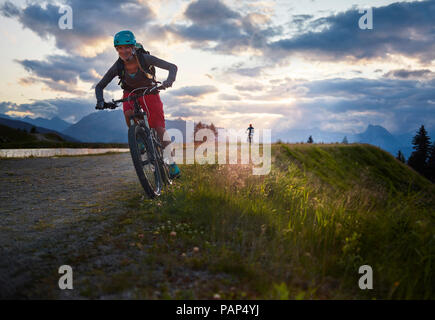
(149, 59)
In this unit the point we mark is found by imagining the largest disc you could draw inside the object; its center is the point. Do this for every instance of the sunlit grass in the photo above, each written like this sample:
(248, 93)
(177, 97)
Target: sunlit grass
(302, 231)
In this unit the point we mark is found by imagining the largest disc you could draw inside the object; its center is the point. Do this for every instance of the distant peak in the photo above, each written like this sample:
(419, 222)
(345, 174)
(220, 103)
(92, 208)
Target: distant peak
(375, 127)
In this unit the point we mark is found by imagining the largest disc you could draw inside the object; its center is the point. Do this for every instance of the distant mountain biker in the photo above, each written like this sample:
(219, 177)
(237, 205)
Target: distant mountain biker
(135, 77)
(250, 132)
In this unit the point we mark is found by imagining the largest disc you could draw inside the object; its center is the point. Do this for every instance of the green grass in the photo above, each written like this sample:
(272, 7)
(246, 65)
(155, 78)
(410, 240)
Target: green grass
(343, 166)
(301, 232)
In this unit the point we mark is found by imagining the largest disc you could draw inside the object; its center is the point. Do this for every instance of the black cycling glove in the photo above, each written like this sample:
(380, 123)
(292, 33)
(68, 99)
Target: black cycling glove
(105, 105)
(100, 105)
(167, 83)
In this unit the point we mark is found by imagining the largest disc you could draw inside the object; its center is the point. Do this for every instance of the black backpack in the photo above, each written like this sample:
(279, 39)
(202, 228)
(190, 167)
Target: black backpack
(150, 71)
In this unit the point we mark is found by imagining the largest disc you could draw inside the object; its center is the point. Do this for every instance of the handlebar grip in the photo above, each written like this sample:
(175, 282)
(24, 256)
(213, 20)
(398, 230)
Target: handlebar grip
(158, 88)
(110, 105)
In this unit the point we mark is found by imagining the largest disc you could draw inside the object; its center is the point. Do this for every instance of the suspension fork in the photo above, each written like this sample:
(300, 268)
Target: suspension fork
(150, 142)
(137, 114)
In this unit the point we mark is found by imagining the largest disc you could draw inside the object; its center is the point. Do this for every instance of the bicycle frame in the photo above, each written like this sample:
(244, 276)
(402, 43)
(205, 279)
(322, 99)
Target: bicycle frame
(250, 136)
(137, 114)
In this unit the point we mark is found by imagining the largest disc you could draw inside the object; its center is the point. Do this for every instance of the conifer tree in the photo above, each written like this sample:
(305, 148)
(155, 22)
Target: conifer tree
(431, 164)
(310, 139)
(421, 145)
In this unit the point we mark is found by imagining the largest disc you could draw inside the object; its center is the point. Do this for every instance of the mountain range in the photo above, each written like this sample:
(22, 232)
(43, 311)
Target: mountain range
(109, 127)
(56, 123)
(18, 124)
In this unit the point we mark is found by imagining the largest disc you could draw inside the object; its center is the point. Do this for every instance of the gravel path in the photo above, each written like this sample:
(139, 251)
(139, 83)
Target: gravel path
(51, 211)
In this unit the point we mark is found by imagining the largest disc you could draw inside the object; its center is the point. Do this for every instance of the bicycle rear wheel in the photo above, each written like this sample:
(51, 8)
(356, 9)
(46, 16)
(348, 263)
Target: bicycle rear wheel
(144, 160)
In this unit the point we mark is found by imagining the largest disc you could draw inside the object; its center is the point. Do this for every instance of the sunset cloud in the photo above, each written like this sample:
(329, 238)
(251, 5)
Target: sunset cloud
(236, 61)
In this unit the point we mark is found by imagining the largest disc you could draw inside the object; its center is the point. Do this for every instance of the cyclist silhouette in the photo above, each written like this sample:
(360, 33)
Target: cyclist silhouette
(251, 133)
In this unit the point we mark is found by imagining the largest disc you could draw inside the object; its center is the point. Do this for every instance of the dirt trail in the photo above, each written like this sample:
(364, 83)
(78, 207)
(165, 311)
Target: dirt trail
(51, 212)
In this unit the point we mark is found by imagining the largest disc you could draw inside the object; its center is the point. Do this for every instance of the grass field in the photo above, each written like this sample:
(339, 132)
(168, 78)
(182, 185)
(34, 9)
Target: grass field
(301, 232)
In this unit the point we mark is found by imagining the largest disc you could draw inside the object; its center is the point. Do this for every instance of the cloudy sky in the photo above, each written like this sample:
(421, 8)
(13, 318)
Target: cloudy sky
(280, 64)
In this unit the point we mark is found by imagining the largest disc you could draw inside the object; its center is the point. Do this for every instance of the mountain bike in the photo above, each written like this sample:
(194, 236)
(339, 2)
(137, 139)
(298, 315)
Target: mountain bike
(250, 136)
(146, 148)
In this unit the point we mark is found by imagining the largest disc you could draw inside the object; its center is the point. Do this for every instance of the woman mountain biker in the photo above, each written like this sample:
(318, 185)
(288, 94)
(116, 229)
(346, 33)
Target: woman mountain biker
(136, 77)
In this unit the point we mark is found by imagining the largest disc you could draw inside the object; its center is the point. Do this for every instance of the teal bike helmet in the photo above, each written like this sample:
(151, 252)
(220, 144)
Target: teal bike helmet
(125, 37)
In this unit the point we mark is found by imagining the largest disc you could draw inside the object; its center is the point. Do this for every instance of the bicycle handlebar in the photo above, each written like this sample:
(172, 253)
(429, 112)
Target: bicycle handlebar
(136, 96)
(148, 90)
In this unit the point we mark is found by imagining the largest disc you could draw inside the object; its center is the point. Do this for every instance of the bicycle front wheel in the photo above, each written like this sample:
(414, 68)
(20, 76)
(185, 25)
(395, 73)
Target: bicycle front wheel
(144, 159)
